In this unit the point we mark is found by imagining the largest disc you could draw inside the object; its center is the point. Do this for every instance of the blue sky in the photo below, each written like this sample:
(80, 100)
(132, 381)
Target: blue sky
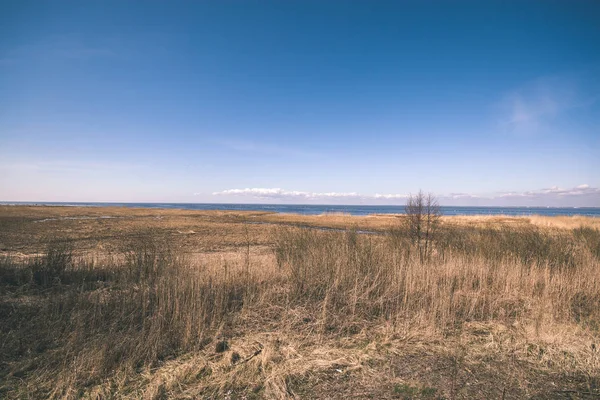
(494, 103)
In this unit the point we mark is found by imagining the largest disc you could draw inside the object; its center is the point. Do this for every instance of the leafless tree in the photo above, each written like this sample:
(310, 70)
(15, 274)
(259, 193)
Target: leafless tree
(422, 218)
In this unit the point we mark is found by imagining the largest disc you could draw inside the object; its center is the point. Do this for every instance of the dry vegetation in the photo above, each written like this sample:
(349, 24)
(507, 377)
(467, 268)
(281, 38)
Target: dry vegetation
(176, 304)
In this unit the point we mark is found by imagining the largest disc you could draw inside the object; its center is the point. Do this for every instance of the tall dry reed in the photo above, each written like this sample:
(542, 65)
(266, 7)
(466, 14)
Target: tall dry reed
(67, 324)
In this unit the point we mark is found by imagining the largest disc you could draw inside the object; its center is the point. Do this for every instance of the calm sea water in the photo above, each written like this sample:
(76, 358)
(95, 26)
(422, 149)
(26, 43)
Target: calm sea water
(348, 209)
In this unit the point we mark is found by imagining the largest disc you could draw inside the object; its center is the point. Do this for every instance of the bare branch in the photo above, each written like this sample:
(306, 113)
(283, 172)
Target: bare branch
(422, 218)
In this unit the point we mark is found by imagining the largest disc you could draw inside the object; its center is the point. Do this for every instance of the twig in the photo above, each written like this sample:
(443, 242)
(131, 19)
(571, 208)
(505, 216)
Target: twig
(257, 352)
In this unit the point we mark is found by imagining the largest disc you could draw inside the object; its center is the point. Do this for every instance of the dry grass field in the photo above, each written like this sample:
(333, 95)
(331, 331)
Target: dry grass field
(149, 303)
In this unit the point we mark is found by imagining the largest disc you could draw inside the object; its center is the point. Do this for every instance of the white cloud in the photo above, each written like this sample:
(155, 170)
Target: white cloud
(582, 195)
(277, 193)
(535, 105)
(463, 196)
(390, 196)
(555, 192)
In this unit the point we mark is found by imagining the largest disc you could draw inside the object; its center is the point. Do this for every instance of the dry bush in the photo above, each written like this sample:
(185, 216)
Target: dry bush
(423, 215)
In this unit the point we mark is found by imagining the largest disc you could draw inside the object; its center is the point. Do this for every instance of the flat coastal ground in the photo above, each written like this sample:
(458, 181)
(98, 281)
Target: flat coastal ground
(26, 230)
(280, 344)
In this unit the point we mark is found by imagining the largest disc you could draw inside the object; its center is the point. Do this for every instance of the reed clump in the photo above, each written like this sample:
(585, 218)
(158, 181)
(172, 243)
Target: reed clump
(472, 275)
(77, 322)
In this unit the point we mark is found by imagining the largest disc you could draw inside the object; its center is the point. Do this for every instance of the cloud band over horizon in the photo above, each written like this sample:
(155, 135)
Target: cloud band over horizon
(578, 196)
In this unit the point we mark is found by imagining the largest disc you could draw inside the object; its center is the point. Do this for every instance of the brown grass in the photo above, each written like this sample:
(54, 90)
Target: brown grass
(504, 310)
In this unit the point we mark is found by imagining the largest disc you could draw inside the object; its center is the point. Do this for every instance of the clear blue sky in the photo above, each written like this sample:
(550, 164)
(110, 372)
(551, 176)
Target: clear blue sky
(300, 101)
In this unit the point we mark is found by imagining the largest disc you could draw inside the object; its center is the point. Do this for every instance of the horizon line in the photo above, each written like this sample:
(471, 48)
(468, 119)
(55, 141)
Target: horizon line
(8, 203)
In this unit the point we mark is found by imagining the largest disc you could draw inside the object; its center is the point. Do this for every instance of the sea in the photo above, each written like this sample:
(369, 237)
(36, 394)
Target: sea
(314, 209)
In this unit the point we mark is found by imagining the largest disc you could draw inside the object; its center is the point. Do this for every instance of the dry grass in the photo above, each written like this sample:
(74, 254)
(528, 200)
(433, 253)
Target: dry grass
(503, 310)
(562, 222)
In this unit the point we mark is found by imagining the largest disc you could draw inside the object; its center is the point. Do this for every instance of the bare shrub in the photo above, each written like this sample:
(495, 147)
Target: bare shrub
(422, 219)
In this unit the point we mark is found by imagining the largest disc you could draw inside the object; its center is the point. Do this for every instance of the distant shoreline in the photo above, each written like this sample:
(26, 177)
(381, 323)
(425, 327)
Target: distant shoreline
(318, 209)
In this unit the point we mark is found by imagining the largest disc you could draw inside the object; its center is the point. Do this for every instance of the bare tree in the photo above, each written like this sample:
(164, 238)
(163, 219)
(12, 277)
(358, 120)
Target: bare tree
(422, 219)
